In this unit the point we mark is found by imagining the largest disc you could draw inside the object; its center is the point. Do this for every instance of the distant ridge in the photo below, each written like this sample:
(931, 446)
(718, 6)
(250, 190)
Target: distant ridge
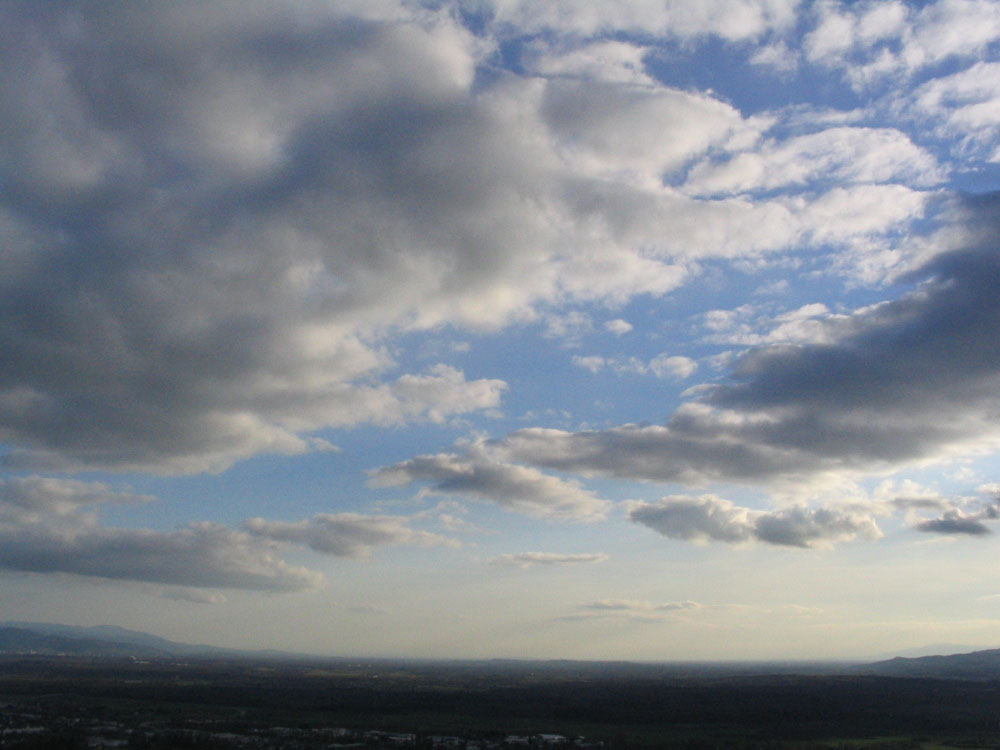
(931, 649)
(975, 665)
(50, 639)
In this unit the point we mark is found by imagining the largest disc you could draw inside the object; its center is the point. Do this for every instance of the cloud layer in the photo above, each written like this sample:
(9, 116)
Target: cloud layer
(212, 234)
(50, 525)
(852, 403)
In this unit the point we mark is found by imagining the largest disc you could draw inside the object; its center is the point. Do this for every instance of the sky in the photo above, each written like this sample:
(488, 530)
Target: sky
(603, 329)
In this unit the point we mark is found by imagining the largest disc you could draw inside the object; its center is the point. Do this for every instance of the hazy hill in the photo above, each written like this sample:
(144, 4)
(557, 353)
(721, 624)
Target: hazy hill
(20, 640)
(50, 639)
(977, 665)
(101, 640)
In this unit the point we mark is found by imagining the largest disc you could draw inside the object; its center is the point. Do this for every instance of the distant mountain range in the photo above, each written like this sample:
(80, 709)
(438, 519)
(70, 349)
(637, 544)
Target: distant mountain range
(49, 639)
(976, 665)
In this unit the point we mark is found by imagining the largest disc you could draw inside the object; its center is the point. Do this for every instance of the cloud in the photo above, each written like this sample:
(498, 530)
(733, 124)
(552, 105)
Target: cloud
(674, 18)
(954, 522)
(618, 326)
(609, 61)
(633, 605)
(959, 108)
(708, 518)
(870, 42)
(210, 259)
(661, 366)
(343, 534)
(28, 499)
(370, 609)
(963, 516)
(199, 555)
(842, 155)
(192, 595)
(522, 489)
(530, 559)
(849, 404)
(637, 610)
(49, 525)
(675, 366)
(748, 326)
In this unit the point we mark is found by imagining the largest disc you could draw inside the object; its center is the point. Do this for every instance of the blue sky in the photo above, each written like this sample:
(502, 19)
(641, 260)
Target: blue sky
(570, 329)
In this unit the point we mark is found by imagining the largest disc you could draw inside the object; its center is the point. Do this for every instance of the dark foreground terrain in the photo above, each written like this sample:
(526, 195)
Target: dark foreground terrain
(72, 701)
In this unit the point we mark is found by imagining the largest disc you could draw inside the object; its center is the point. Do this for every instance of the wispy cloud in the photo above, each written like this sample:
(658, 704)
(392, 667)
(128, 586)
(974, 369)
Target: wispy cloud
(530, 559)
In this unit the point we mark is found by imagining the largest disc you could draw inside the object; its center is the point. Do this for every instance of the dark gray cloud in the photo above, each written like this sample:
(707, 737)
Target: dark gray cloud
(708, 518)
(912, 378)
(200, 555)
(954, 523)
(343, 534)
(961, 521)
(523, 489)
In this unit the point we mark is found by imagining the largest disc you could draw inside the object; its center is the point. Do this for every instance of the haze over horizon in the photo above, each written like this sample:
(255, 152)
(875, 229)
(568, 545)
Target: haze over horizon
(605, 329)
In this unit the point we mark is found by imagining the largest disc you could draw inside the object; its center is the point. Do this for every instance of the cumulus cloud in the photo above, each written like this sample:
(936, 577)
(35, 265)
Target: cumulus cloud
(618, 326)
(530, 559)
(872, 41)
(963, 516)
(206, 261)
(708, 518)
(851, 403)
(522, 489)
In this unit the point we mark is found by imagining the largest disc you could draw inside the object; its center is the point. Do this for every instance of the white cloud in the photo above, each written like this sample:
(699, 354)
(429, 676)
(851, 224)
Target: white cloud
(618, 326)
(661, 366)
(610, 61)
(962, 107)
(675, 366)
(841, 155)
(872, 41)
(741, 19)
(777, 56)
